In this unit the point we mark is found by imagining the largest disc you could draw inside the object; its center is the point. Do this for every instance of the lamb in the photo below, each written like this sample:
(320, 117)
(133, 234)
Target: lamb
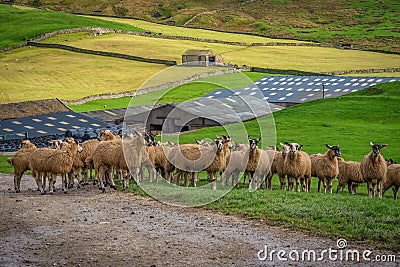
(46, 160)
(350, 174)
(20, 161)
(106, 135)
(325, 167)
(373, 169)
(158, 156)
(87, 150)
(392, 179)
(297, 166)
(258, 165)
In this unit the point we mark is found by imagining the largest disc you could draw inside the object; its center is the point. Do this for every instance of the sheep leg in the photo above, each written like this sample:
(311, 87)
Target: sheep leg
(195, 178)
(319, 185)
(17, 181)
(39, 182)
(282, 181)
(379, 188)
(268, 181)
(100, 175)
(213, 178)
(290, 183)
(370, 189)
(394, 189)
(111, 178)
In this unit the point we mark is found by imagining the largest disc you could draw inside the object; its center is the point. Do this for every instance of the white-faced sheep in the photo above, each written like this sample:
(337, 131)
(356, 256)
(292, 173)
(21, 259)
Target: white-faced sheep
(258, 165)
(392, 180)
(297, 167)
(54, 161)
(20, 161)
(350, 174)
(374, 168)
(325, 167)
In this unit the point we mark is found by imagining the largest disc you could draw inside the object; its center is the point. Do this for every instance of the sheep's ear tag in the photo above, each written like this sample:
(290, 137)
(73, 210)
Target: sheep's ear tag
(384, 145)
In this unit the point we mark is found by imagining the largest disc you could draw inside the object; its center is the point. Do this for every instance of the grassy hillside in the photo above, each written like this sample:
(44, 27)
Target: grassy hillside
(19, 25)
(367, 24)
(314, 59)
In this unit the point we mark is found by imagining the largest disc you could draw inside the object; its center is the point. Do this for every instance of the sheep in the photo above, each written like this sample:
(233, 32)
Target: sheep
(392, 179)
(277, 166)
(158, 156)
(55, 144)
(325, 167)
(126, 154)
(106, 155)
(46, 160)
(258, 165)
(189, 159)
(106, 135)
(87, 150)
(373, 169)
(350, 174)
(20, 161)
(297, 166)
(237, 163)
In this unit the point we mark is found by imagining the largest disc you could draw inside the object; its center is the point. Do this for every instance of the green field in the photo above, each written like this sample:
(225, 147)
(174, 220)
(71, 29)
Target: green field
(20, 25)
(313, 59)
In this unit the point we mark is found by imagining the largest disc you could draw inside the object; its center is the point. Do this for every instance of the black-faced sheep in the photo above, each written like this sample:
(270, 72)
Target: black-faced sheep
(20, 161)
(392, 179)
(374, 168)
(297, 167)
(325, 166)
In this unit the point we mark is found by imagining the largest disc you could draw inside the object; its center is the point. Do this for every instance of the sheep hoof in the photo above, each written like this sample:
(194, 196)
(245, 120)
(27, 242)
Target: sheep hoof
(17, 190)
(113, 187)
(43, 193)
(65, 192)
(51, 193)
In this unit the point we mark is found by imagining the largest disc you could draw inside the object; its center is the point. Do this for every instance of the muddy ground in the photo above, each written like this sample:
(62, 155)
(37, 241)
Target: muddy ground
(89, 228)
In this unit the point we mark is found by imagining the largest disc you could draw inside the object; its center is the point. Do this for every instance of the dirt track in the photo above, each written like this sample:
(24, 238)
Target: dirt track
(88, 228)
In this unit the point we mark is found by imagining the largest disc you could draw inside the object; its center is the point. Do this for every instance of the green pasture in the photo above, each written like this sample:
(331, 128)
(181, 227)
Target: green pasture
(197, 33)
(18, 25)
(180, 93)
(31, 73)
(313, 59)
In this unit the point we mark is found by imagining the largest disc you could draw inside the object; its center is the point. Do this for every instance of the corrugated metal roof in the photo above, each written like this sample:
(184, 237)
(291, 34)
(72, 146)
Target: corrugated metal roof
(195, 52)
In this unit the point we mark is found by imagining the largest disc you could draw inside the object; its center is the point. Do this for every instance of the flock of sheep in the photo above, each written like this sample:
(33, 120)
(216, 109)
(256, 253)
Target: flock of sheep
(130, 156)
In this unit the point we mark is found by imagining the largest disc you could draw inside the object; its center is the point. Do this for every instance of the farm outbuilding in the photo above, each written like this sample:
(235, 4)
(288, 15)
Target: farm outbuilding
(202, 58)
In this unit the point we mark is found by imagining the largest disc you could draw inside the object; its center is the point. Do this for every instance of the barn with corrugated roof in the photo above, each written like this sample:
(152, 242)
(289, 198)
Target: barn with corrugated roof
(202, 58)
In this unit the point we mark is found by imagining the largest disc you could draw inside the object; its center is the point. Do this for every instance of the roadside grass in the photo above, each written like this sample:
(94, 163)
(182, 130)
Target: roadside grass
(4, 166)
(357, 218)
(313, 59)
(18, 25)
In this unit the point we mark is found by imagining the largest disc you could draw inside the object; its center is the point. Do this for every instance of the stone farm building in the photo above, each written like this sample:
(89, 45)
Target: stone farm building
(202, 58)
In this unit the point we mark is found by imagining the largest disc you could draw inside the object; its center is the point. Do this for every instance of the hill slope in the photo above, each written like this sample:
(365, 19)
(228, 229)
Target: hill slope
(369, 24)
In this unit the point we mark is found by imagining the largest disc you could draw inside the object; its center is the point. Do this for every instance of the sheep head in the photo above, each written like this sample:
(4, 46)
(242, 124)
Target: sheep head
(254, 143)
(220, 144)
(376, 149)
(294, 147)
(335, 150)
(285, 148)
